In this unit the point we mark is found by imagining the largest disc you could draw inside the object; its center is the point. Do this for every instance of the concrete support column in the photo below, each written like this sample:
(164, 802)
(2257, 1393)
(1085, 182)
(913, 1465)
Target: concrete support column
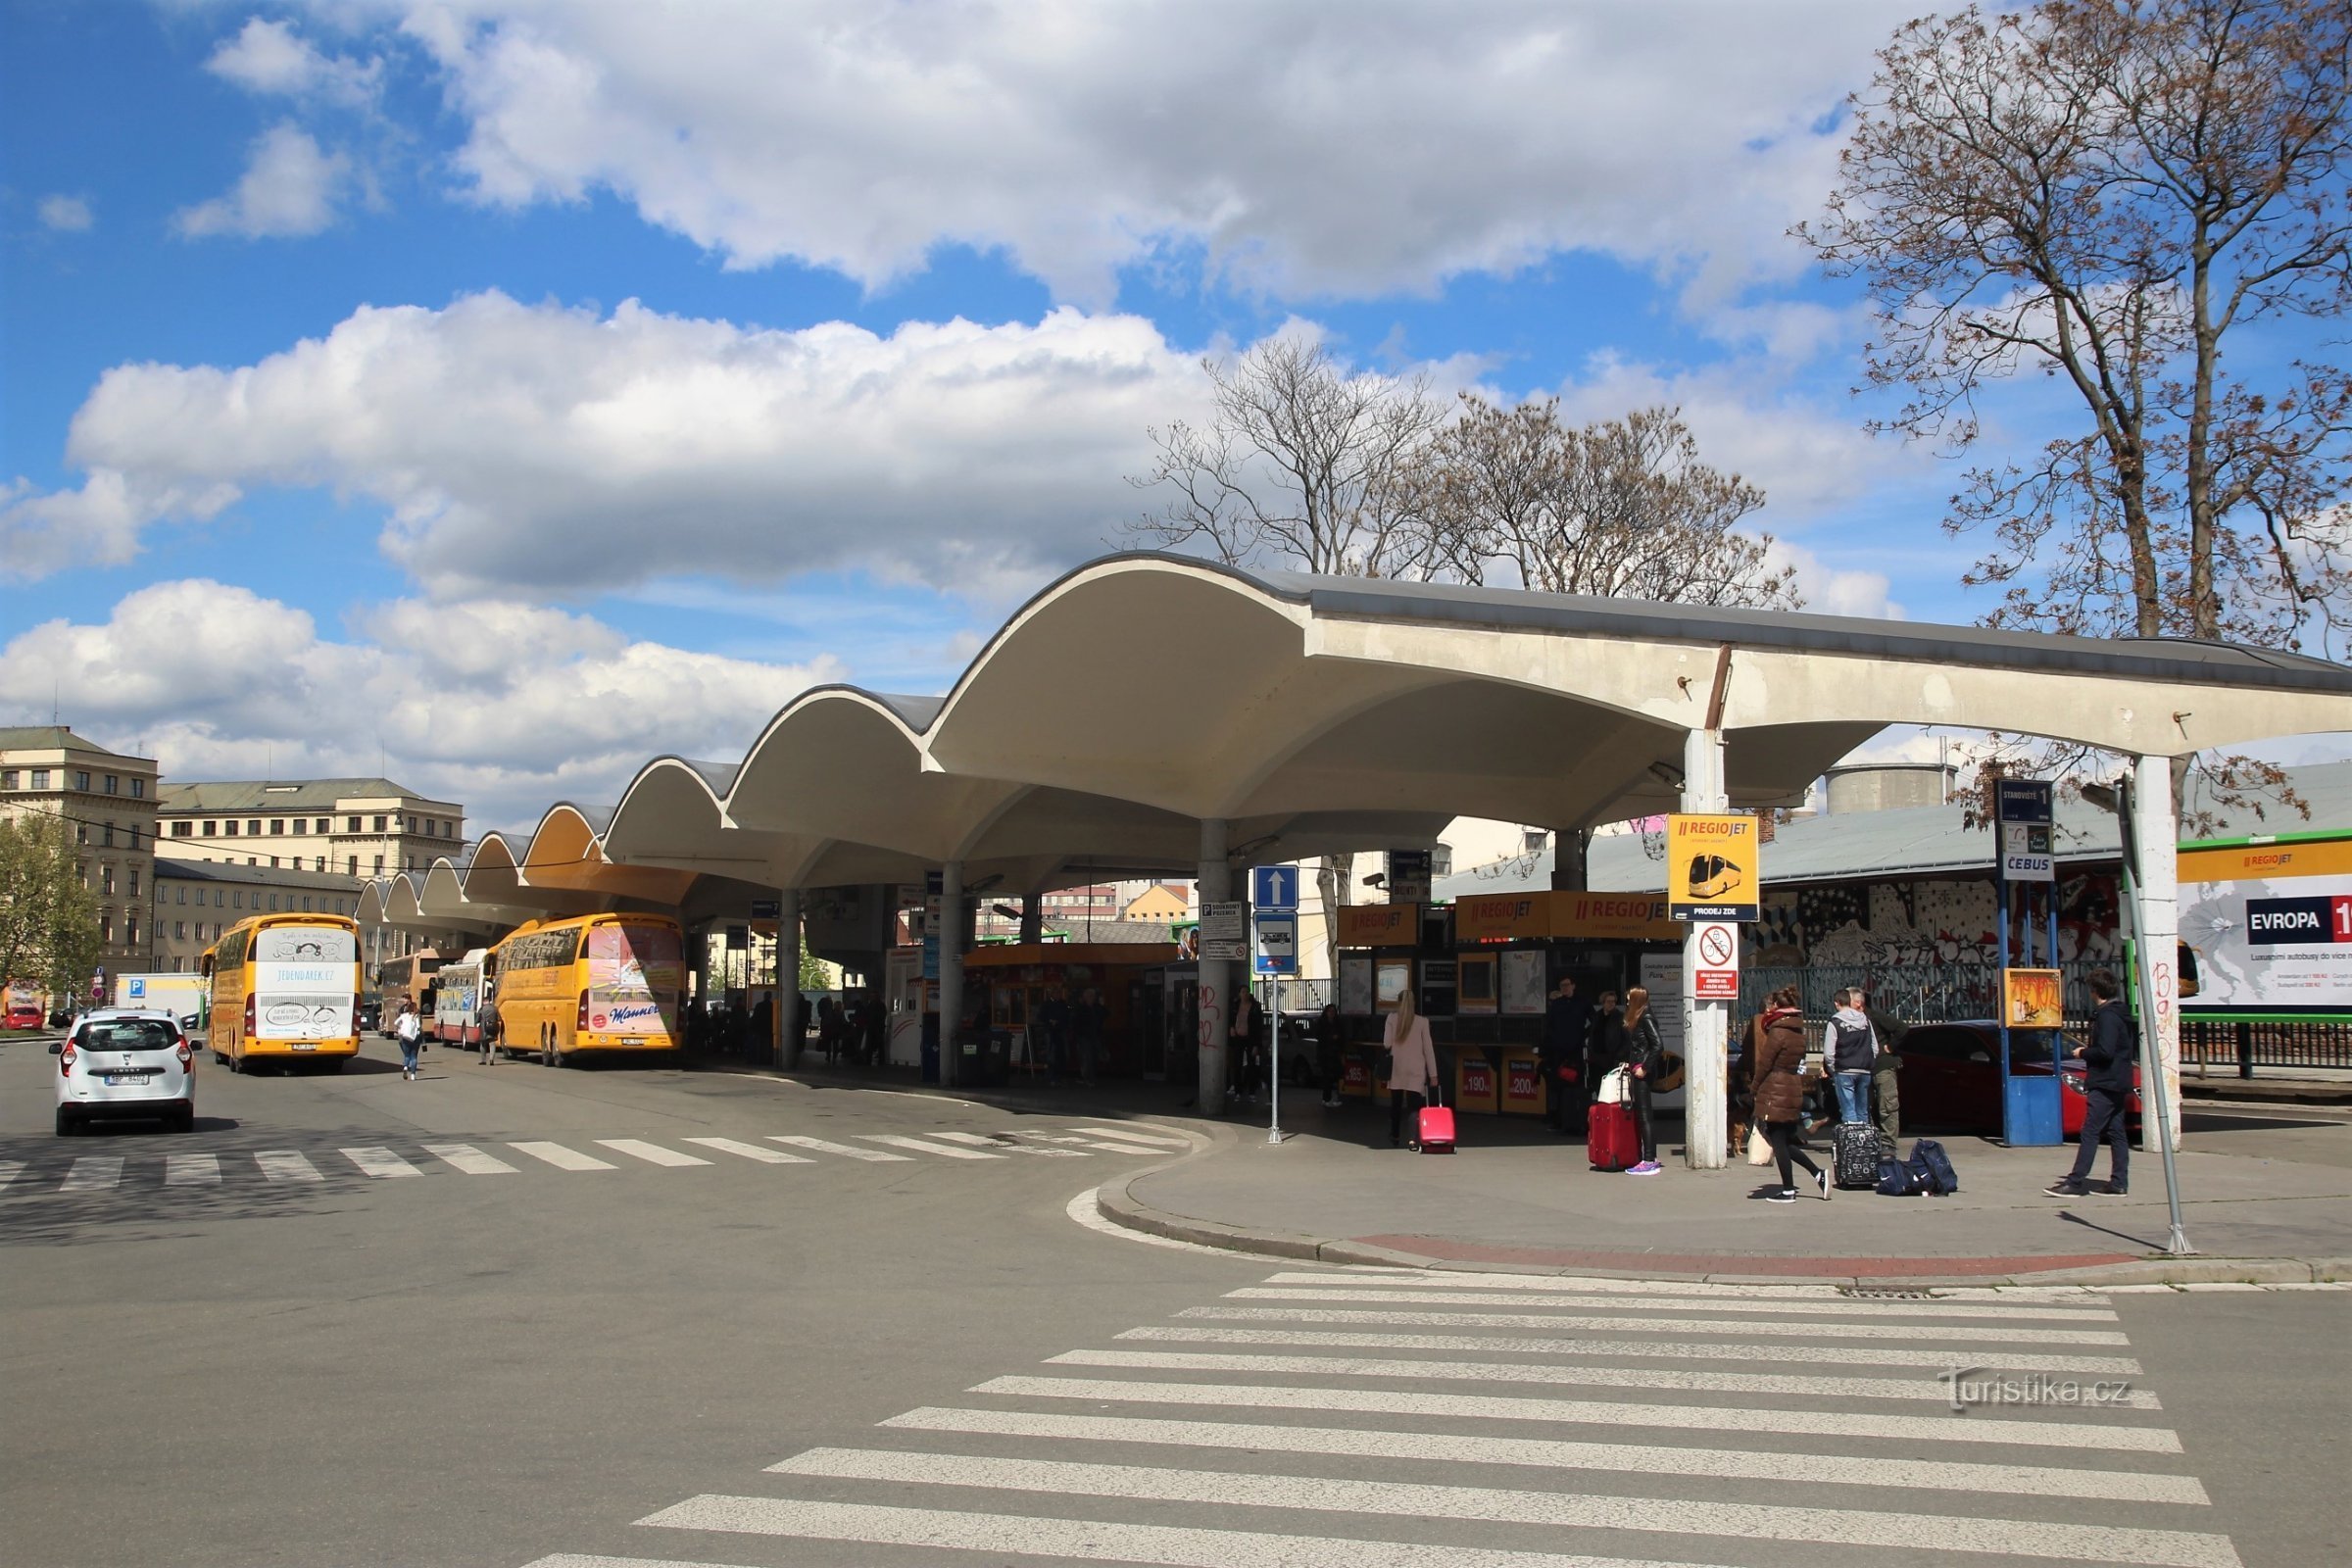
(789, 1038)
(1216, 974)
(2158, 930)
(1033, 917)
(951, 935)
(1706, 1024)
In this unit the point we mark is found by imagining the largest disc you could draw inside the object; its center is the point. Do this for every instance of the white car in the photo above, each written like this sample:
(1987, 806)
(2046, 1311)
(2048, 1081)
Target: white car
(125, 1062)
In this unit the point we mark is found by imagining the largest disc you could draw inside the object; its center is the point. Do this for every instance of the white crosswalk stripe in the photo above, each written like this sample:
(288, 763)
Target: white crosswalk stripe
(919, 1146)
(1004, 1144)
(1852, 1443)
(10, 1170)
(381, 1162)
(470, 1161)
(191, 1171)
(92, 1173)
(825, 1147)
(286, 1165)
(560, 1158)
(753, 1152)
(1129, 1135)
(650, 1154)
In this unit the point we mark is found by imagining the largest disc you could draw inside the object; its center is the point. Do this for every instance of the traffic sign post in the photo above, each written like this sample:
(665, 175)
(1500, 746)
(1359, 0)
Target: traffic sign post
(1718, 975)
(1277, 956)
(1224, 931)
(1277, 943)
(1274, 889)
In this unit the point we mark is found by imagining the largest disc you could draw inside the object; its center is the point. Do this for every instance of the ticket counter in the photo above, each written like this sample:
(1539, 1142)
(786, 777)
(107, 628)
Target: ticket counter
(1020, 979)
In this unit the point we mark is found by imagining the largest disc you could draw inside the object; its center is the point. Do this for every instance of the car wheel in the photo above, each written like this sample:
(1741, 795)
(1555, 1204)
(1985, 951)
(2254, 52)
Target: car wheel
(64, 1123)
(185, 1121)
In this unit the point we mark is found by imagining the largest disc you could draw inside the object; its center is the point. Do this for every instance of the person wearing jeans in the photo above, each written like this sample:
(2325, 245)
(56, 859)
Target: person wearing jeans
(1848, 1051)
(406, 1030)
(2106, 1092)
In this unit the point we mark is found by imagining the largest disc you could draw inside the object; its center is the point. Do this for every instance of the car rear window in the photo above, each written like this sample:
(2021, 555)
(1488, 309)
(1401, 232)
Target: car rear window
(130, 1034)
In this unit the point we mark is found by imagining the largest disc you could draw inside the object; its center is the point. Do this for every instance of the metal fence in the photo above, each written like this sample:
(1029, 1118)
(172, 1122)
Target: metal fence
(1940, 994)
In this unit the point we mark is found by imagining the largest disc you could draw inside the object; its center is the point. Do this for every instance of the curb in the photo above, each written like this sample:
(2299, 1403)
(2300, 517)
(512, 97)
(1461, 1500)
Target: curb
(1119, 1204)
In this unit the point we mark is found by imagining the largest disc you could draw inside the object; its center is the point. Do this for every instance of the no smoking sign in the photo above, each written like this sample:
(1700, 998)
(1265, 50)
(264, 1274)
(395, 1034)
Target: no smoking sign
(1717, 972)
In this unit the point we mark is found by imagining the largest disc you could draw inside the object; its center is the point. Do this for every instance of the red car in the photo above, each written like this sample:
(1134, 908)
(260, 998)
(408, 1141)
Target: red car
(1952, 1077)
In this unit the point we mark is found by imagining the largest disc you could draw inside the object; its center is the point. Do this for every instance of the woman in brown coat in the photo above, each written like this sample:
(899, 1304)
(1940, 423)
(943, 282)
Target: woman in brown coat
(1775, 1063)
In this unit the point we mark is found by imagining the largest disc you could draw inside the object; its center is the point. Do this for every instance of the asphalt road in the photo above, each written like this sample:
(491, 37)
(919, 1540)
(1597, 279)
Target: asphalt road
(558, 1342)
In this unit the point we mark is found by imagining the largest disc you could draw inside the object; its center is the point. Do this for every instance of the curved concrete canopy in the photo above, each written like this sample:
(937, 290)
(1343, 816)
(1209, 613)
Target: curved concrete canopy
(565, 853)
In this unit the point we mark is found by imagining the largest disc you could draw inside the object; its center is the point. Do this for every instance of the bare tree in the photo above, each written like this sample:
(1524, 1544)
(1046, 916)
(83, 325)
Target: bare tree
(1619, 507)
(1301, 465)
(2104, 192)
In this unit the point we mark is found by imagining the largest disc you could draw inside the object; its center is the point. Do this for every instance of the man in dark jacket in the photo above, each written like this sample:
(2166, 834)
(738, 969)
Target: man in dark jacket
(1885, 1071)
(1567, 1019)
(2106, 1091)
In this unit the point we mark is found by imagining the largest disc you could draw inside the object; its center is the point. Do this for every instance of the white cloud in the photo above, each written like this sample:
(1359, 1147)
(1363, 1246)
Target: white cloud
(1830, 590)
(270, 58)
(290, 188)
(515, 445)
(66, 214)
(98, 524)
(1302, 150)
(504, 706)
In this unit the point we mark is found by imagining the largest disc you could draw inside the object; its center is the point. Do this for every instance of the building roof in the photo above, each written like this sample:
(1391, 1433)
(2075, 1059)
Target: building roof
(281, 795)
(169, 869)
(1911, 841)
(54, 737)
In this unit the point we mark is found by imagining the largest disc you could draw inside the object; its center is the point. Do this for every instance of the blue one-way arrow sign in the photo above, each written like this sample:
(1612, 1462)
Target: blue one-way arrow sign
(1274, 888)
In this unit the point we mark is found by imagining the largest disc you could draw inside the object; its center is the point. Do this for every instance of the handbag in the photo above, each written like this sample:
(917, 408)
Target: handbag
(1759, 1147)
(1613, 1089)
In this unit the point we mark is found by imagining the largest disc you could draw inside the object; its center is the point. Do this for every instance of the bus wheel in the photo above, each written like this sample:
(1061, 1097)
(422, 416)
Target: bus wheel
(234, 1063)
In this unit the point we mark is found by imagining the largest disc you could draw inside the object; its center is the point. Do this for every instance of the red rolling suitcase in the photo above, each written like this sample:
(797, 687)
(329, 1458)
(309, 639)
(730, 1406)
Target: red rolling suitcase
(1610, 1144)
(1433, 1127)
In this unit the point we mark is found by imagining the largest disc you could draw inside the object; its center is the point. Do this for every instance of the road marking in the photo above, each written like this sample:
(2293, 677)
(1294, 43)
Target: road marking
(1698, 1417)
(1622, 1376)
(1086, 1539)
(92, 1173)
(1676, 1349)
(191, 1171)
(650, 1154)
(1232, 1437)
(766, 1157)
(2080, 1296)
(824, 1147)
(1004, 1144)
(286, 1165)
(381, 1162)
(10, 1170)
(2023, 1334)
(1087, 1209)
(1157, 1140)
(902, 1141)
(1725, 1303)
(562, 1158)
(472, 1160)
(2171, 1549)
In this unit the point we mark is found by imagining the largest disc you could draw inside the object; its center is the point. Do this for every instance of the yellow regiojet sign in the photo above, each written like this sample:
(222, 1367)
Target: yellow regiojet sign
(1711, 870)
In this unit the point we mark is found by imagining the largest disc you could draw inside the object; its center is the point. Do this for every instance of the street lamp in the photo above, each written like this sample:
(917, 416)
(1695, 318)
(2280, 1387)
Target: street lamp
(2117, 798)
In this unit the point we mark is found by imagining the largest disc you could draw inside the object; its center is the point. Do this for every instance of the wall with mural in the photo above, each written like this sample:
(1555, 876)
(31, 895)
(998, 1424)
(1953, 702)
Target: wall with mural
(1923, 921)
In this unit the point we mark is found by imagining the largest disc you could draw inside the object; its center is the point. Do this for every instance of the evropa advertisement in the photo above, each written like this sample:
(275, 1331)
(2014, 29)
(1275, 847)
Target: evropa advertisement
(304, 982)
(2271, 926)
(634, 976)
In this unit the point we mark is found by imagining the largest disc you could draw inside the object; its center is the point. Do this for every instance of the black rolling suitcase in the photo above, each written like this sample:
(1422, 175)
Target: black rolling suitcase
(1854, 1154)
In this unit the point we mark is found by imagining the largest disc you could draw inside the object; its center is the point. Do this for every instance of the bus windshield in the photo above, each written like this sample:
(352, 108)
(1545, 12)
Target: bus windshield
(304, 980)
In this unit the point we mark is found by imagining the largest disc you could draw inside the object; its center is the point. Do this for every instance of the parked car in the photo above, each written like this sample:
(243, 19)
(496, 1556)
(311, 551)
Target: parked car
(1951, 1076)
(371, 1014)
(126, 1063)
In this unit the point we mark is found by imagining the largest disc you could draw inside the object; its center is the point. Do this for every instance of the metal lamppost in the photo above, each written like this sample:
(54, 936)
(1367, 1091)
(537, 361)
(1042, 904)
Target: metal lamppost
(2117, 798)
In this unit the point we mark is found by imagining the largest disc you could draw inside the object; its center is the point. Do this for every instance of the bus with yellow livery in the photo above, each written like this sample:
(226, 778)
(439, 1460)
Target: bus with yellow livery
(285, 989)
(607, 984)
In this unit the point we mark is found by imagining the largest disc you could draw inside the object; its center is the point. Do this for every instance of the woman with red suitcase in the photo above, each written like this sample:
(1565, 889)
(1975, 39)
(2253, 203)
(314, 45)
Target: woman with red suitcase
(1413, 1064)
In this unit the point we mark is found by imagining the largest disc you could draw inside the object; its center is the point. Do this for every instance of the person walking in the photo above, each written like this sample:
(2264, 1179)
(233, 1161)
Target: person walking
(1247, 1045)
(1567, 1019)
(407, 1030)
(1885, 1070)
(1775, 1070)
(493, 1025)
(1848, 1049)
(1645, 1063)
(1329, 1065)
(2107, 1061)
(1413, 1064)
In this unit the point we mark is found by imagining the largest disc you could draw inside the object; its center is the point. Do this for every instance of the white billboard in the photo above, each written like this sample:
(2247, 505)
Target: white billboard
(2271, 925)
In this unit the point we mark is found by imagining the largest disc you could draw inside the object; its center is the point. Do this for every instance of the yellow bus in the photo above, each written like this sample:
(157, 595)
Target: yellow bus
(285, 988)
(595, 983)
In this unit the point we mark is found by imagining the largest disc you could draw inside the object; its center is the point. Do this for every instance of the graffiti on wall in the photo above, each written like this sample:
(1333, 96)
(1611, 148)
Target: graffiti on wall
(1923, 921)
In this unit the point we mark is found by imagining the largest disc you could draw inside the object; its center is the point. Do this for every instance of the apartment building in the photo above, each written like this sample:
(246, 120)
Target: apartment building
(348, 827)
(195, 900)
(110, 798)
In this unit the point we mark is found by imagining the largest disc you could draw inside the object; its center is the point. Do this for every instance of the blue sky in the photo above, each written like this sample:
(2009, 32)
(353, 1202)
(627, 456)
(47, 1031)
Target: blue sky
(377, 373)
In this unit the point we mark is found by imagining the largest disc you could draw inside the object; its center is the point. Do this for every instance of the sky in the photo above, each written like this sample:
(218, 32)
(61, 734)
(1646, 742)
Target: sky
(499, 393)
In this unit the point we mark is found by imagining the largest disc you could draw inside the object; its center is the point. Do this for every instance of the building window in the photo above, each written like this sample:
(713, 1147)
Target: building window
(134, 880)
(354, 863)
(306, 904)
(274, 900)
(379, 866)
(218, 895)
(253, 827)
(82, 781)
(114, 784)
(277, 826)
(212, 829)
(40, 778)
(106, 881)
(183, 894)
(250, 860)
(180, 930)
(351, 824)
(232, 827)
(138, 789)
(273, 863)
(82, 832)
(106, 838)
(106, 930)
(8, 778)
(131, 930)
(182, 830)
(135, 835)
(380, 821)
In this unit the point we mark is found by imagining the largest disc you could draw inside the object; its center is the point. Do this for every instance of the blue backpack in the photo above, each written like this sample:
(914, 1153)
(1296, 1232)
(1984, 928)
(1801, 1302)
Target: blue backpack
(1895, 1179)
(1932, 1168)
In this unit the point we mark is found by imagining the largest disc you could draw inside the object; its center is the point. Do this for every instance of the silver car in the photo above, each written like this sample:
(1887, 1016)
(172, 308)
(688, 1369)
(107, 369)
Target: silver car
(125, 1062)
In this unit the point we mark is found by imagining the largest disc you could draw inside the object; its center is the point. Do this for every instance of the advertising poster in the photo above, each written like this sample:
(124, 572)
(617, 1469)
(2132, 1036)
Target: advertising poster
(1388, 981)
(1662, 976)
(1522, 984)
(304, 980)
(634, 976)
(2033, 999)
(1475, 983)
(1711, 866)
(1355, 987)
(2272, 928)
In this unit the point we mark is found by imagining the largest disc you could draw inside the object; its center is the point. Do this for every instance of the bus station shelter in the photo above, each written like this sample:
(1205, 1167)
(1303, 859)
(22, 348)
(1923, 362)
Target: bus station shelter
(1293, 717)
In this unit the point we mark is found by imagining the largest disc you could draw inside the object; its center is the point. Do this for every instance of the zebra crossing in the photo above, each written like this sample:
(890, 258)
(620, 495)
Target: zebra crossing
(1505, 1421)
(386, 1161)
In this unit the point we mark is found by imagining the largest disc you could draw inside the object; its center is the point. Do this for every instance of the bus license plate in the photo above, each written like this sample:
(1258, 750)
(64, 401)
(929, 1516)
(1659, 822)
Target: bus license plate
(306, 1044)
(636, 1040)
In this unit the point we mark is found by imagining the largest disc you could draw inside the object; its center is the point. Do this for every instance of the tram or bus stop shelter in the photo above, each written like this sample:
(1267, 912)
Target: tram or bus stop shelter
(1288, 717)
